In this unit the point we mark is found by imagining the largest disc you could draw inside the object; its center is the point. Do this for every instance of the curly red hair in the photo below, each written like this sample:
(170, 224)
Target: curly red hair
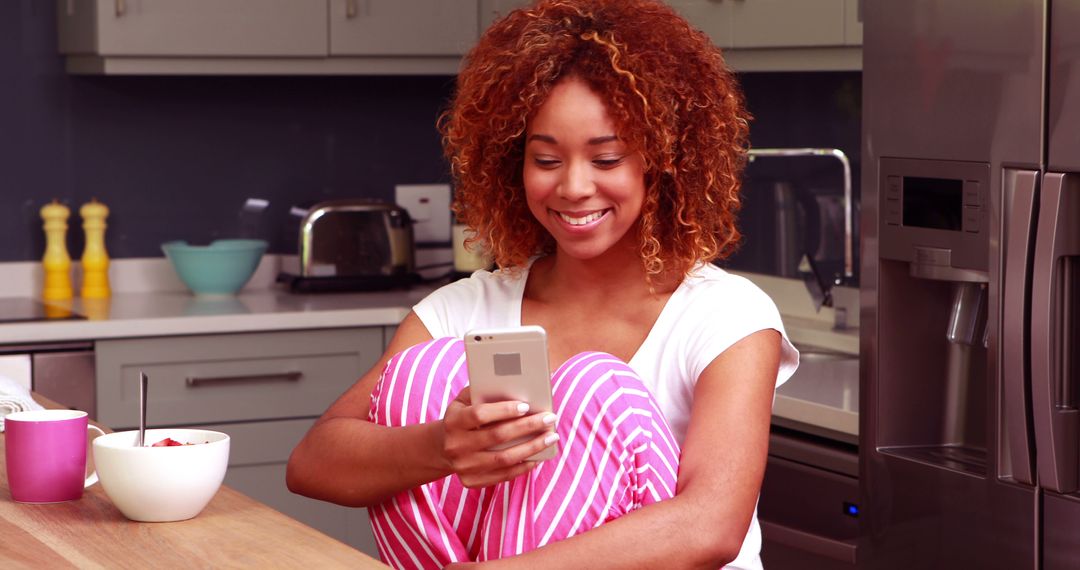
(668, 92)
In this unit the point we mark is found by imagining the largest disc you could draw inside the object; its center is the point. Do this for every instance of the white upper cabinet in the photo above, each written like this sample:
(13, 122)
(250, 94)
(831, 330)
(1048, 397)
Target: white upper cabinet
(218, 28)
(786, 23)
(853, 22)
(403, 27)
(404, 36)
(762, 35)
(710, 16)
(780, 35)
(491, 10)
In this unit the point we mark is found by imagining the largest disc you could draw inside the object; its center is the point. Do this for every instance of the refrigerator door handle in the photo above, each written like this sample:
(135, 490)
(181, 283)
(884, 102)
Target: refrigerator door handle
(1057, 421)
(1021, 190)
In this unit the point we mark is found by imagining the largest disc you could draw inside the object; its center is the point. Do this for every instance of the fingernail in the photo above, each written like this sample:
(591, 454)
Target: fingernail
(522, 408)
(551, 438)
(549, 419)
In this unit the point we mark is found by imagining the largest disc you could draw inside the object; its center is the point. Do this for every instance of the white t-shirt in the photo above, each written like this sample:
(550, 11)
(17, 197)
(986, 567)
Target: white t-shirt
(708, 312)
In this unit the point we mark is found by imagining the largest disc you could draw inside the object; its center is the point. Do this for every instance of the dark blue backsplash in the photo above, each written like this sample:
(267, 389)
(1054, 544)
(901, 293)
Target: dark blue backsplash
(820, 110)
(176, 157)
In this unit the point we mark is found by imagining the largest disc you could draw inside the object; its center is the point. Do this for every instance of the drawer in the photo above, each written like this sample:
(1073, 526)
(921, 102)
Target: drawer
(233, 377)
(805, 517)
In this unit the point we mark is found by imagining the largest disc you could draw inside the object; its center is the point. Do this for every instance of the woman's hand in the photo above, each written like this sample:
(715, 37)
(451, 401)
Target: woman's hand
(472, 431)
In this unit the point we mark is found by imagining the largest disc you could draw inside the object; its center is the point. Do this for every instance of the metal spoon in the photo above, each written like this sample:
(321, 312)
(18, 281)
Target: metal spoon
(142, 409)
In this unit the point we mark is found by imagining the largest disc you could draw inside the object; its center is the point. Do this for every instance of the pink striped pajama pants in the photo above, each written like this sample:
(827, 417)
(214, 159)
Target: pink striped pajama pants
(616, 455)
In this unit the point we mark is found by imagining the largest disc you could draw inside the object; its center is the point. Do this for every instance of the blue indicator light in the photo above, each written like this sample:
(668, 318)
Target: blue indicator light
(851, 509)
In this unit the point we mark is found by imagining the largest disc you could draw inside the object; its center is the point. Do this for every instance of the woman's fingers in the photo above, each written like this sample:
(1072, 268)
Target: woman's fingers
(506, 464)
(500, 433)
(466, 416)
(490, 443)
(462, 439)
(493, 466)
(487, 479)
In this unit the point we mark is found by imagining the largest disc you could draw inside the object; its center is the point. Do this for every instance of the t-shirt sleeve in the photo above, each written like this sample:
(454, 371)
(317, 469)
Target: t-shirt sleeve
(447, 309)
(732, 312)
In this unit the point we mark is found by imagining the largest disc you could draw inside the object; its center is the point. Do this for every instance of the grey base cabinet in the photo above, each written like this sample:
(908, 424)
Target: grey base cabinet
(808, 507)
(257, 459)
(263, 389)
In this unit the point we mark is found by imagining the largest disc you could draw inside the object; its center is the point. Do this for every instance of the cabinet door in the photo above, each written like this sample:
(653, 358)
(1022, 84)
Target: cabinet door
(388, 335)
(787, 23)
(403, 27)
(853, 22)
(266, 484)
(193, 27)
(491, 10)
(710, 16)
(806, 516)
(258, 455)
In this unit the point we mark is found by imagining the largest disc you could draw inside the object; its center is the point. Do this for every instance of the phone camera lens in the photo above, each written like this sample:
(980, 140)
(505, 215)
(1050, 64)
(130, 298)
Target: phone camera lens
(476, 338)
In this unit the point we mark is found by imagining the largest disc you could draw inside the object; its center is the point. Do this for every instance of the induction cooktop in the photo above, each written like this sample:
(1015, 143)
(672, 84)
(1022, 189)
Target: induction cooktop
(24, 309)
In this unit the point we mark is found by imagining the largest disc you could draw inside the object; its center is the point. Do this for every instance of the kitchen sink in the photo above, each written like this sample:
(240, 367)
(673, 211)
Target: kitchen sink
(825, 377)
(823, 393)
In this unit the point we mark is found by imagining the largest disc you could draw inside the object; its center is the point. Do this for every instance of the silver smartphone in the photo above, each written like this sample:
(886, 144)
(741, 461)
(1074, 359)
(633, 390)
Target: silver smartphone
(511, 364)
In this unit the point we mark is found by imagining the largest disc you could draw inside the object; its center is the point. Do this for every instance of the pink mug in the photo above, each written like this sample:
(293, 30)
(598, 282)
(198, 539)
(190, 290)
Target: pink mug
(46, 455)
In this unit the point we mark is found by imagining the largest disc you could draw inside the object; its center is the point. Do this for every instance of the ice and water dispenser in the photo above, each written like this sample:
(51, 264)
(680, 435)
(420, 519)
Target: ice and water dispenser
(933, 312)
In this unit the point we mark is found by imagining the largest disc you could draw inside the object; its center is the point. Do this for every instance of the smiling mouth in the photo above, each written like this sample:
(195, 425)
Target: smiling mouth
(582, 220)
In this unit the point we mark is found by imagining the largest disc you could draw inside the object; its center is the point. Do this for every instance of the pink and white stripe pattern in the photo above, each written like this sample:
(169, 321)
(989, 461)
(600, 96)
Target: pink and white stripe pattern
(617, 454)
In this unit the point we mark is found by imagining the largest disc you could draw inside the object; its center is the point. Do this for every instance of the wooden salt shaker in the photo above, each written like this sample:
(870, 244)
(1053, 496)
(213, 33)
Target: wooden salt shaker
(95, 260)
(56, 262)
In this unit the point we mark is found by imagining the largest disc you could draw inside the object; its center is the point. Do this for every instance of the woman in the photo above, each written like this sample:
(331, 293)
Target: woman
(597, 147)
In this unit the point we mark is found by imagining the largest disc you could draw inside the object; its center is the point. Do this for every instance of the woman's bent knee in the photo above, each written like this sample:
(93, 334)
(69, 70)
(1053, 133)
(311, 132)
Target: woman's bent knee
(417, 383)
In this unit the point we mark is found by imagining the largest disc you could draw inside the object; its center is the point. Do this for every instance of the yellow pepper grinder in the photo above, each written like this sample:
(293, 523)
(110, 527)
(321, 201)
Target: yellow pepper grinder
(57, 262)
(95, 261)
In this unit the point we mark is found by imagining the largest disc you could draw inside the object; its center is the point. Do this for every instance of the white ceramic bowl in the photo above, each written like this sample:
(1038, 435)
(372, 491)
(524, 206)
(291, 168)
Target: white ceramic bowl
(159, 484)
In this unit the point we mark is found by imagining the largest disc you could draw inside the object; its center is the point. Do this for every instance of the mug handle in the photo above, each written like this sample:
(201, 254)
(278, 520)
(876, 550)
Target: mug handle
(92, 477)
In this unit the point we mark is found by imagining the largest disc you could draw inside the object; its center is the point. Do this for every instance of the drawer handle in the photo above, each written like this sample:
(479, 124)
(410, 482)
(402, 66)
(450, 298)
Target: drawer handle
(842, 550)
(196, 381)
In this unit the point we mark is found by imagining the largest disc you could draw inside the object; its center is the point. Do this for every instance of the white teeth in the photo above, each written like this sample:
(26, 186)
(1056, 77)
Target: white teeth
(583, 220)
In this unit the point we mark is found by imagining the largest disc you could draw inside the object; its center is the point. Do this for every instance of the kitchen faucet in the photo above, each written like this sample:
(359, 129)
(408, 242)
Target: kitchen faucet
(819, 290)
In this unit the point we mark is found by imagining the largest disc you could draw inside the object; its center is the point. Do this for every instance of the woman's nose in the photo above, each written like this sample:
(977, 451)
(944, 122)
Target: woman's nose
(577, 182)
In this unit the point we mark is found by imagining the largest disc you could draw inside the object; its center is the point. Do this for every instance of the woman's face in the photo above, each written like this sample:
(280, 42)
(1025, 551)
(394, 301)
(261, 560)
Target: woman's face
(582, 182)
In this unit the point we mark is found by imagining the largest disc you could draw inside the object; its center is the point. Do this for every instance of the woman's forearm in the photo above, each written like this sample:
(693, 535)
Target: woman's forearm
(353, 462)
(347, 460)
(677, 533)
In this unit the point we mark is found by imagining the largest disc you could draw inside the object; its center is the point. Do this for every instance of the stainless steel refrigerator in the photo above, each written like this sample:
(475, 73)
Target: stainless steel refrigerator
(970, 376)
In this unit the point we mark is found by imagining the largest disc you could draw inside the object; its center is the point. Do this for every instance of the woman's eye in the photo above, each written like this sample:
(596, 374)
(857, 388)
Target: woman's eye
(545, 162)
(608, 162)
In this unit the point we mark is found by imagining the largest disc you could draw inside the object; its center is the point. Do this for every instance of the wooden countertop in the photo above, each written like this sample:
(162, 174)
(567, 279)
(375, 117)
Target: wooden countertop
(233, 531)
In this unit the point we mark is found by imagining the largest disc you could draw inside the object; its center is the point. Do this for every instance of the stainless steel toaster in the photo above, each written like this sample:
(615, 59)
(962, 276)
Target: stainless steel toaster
(353, 244)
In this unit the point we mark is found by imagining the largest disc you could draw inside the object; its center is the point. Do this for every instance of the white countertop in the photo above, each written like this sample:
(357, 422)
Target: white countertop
(126, 315)
(148, 300)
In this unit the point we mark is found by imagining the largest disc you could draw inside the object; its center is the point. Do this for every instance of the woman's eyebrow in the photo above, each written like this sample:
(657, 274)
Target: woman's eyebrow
(543, 138)
(593, 141)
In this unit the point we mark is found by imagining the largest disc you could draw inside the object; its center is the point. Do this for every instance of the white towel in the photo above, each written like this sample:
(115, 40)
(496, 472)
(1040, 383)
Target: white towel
(14, 398)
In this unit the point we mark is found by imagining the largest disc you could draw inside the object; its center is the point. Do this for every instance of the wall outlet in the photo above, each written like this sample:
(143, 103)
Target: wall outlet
(429, 208)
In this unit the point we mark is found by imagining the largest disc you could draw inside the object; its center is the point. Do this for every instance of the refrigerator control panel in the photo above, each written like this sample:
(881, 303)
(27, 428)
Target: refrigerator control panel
(935, 204)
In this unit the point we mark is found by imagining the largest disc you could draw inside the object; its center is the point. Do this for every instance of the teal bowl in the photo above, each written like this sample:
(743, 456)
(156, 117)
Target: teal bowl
(219, 269)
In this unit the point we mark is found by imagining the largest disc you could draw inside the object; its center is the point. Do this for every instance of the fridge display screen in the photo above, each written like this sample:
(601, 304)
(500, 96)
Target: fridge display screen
(936, 203)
